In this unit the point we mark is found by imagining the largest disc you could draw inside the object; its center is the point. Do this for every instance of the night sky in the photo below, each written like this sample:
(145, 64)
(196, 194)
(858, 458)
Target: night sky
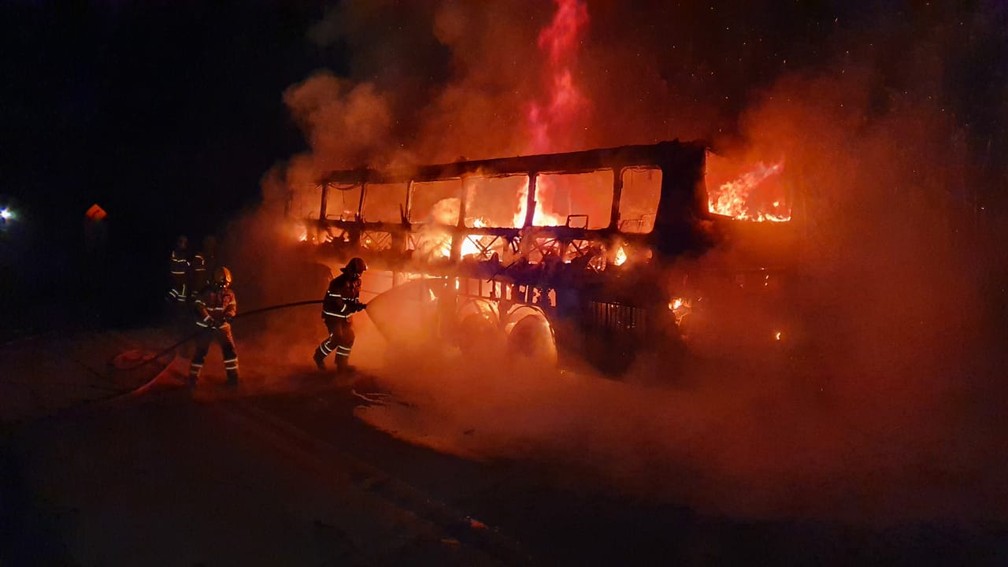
(166, 114)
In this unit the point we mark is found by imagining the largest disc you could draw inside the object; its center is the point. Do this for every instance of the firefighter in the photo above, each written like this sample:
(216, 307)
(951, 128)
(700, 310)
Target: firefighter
(215, 307)
(178, 269)
(198, 274)
(198, 277)
(341, 301)
(203, 263)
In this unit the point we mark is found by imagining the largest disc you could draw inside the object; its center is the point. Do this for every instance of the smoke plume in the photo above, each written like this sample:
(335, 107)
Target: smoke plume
(884, 118)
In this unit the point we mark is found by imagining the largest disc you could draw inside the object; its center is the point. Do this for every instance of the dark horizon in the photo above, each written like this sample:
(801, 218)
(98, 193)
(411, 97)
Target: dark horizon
(166, 115)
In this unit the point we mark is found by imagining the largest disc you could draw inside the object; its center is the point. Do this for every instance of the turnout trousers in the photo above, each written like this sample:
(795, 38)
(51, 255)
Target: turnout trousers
(225, 339)
(340, 340)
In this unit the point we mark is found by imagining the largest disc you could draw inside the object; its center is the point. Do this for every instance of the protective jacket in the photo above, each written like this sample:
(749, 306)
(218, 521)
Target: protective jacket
(342, 299)
(215, 307)
(199, 276)
(340, 303)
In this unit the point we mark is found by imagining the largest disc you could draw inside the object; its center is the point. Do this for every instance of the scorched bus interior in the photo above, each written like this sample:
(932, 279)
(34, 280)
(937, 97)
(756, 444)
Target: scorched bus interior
(571, 247)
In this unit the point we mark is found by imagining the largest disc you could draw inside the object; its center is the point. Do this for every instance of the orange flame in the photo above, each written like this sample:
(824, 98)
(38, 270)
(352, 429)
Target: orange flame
(541, 217)
(470, 243)
(680, 308)
(732, 199)
(621, 257)
(564, 101)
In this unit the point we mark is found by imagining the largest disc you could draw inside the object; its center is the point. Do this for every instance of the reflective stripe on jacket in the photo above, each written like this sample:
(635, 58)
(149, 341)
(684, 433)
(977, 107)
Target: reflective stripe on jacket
(341, 297)
(215, 307)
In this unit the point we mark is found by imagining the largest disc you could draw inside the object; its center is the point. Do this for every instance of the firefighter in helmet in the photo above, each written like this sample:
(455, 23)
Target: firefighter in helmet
(203, 263)
(341, 301)
(215, 307)
(178, 270)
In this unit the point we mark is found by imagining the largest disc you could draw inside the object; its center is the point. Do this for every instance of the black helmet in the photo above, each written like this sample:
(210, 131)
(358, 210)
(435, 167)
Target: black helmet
(222, 277)
(355, 266)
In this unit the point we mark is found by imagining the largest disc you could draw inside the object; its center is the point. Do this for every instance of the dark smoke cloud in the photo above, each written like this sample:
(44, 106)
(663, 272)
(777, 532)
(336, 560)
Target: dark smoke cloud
(889, 119)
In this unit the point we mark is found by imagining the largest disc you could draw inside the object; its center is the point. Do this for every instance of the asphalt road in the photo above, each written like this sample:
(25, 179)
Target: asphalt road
(293, 477)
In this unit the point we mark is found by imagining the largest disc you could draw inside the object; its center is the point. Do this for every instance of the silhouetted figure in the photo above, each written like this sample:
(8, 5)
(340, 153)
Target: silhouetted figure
(215, 307)
(341, 301)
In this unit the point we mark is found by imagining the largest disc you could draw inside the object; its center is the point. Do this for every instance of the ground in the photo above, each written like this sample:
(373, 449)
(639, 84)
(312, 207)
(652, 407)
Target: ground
(107, 464)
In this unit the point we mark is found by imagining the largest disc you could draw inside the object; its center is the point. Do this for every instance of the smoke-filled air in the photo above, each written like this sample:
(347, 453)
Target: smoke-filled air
(883, 401)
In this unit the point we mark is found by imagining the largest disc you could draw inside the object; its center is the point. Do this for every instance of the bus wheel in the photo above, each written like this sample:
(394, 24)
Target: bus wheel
(478, 337)
(531, 340)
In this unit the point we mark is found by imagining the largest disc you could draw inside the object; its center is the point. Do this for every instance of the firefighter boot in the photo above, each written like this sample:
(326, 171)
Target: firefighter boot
(343, 365)
(319, 358)
(232, 379)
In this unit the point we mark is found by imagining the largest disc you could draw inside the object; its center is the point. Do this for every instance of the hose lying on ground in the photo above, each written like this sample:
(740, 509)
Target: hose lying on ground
(171, 349)
(113, 393)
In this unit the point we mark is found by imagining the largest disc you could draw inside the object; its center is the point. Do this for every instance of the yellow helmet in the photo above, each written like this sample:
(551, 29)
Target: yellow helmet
(222, 276)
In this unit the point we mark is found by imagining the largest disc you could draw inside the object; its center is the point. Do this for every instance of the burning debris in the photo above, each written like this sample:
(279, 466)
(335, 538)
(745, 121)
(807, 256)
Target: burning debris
(741, 199)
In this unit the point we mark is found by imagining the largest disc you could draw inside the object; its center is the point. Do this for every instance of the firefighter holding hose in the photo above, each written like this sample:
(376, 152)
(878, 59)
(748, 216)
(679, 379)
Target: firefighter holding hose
(215, 307)
(341, 301)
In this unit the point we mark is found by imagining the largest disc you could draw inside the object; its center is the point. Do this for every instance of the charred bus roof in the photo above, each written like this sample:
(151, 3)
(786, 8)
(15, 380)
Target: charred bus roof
(660, 154)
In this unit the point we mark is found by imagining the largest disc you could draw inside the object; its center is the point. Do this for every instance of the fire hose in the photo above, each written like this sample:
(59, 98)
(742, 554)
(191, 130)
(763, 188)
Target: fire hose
(115, 392)
(171, 349)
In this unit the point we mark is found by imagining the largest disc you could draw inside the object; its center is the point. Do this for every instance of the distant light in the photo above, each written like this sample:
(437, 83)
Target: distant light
(6, 214)
(778, 335)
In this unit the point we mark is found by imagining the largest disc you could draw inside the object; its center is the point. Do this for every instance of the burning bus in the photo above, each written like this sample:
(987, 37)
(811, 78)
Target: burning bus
(586, 251)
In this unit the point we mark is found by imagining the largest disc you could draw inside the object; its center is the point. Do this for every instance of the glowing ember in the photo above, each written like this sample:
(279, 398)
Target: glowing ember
(471, 244)
(621, 257)
(679, 308)
(733, 199)
(444, 246)
(778, 335)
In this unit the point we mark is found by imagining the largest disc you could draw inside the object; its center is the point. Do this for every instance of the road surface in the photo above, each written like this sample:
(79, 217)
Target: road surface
(293, 476)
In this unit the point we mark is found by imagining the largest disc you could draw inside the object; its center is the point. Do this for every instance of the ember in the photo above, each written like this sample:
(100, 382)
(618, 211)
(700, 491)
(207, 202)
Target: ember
(621, 257)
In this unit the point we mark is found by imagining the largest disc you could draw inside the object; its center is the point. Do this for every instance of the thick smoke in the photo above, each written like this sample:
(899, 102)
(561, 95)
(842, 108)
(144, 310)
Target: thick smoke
(885, 119)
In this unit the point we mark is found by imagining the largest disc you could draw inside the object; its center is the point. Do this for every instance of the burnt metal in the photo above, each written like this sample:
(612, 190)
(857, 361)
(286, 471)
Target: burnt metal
(610, 301)
(682, 202)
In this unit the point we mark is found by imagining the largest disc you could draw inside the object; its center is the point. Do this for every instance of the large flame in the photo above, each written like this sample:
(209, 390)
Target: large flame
(734, 198)
(556, 115)
(472, 244)
(564, 100)
(541, 217)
